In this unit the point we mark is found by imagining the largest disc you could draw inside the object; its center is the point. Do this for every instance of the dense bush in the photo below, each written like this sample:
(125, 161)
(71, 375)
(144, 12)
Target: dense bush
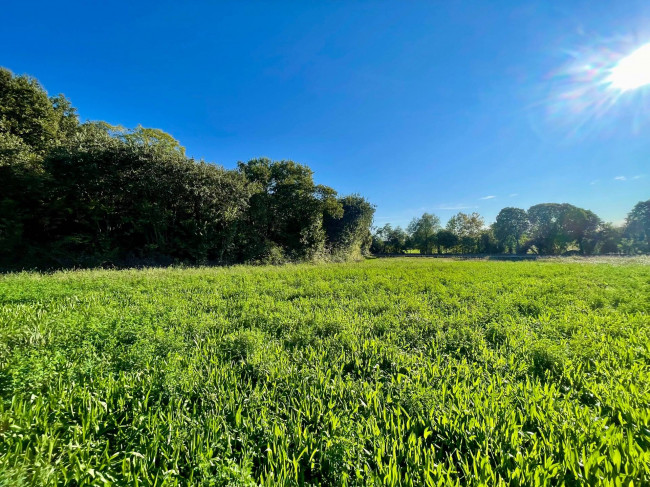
(92, 194)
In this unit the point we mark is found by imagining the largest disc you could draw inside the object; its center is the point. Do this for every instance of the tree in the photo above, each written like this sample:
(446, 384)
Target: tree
(445, 240)
(31, 124)
(286, 210)
(111, 200)
(637, 225)
(510, 227)
(467, 228)
(546, 230)
(609, 238)
(554, 227)
(422, 232)
(348, 235)
(27, 112)
(487, 242)
(581, 226)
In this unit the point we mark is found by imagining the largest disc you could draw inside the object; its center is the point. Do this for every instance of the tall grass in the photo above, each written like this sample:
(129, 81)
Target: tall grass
(399, 372)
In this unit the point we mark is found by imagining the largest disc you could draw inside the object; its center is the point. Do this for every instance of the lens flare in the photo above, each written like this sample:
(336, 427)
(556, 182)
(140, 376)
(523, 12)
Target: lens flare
(601, 89)
(632, 71)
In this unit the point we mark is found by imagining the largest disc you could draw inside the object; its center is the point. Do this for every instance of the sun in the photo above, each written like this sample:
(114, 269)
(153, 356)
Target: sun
(632, 71)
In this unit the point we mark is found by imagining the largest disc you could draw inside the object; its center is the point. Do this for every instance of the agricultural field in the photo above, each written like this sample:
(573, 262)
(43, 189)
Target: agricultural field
(385, 372)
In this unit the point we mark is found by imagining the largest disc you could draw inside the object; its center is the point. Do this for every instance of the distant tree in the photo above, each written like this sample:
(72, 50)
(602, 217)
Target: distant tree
(378, 245)
(581, 226)
(422, 232)
(445, 240)
(637, 226)
(547, 234)
(467, 227)
(398, 240)
(487, 242)
(554, 227)
(510, 227)
(609, 239)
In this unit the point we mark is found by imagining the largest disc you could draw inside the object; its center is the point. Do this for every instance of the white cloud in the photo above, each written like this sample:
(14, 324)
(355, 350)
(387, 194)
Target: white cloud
(639, 176)
(620, 178)
(454, 207)
(595, 181)
(512, 195)
(488, 197)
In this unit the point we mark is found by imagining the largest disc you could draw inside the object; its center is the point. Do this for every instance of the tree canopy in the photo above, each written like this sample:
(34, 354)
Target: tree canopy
(92, 193)
(546, 229)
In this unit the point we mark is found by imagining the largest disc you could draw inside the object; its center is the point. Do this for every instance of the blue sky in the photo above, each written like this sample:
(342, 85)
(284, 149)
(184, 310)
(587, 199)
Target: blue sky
(419, 106)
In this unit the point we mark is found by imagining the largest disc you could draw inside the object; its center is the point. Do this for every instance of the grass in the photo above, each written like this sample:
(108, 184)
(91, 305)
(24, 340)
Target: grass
(388, 372)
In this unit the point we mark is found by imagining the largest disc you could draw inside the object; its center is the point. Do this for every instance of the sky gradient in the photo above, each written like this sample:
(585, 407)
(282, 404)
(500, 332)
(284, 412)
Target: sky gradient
(418, 106)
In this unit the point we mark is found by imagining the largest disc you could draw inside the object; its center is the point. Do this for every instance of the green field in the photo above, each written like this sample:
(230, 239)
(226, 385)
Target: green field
(386, 372)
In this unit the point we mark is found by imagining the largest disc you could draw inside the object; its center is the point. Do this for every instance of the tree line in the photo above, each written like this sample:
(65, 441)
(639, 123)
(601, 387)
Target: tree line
(545, 229)
(88, 194)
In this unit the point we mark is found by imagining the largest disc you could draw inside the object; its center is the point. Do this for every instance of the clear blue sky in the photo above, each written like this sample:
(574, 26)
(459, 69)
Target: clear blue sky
(419, 106)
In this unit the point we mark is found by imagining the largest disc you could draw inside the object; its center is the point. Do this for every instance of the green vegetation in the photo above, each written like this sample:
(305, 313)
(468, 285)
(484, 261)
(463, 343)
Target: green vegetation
(95, 195)
(386, 372)
(545, 229)
(91, 194)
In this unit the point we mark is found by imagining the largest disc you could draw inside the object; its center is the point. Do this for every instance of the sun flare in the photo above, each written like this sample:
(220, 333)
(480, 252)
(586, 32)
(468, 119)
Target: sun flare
(632, 71)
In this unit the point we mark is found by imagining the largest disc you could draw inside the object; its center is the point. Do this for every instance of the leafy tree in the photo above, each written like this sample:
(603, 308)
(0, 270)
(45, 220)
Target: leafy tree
(27, 112)
(391, 240)
(348, 235)
(422, 232)
(487, 242)
(113, 200)
(286, 209)
(609, 238)
(556, 226)
(446, 240)
(547, 234)
(31, 123)
(397, 239)
(93, 193)
(510, 227)
(581, 226)
(467, 228)
(637, 225)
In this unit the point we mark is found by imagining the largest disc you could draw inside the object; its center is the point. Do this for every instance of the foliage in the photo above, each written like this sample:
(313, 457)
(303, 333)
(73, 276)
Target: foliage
(423, 232)
(510, 227)
(637, 226)
(554, 226)
(468, 230)
(96, 194)
(386, 372)
(348, 229)
(446, 240)
(389, 240)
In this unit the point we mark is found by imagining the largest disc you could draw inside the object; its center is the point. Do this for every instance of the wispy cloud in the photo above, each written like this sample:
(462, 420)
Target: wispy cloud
(488, 197)
(454, 207)
(638, 176)
(620, 178)
(512, 195)
(595, 181)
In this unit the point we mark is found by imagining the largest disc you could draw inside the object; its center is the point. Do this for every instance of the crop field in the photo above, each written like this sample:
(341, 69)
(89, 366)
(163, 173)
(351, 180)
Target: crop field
(386, 372)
